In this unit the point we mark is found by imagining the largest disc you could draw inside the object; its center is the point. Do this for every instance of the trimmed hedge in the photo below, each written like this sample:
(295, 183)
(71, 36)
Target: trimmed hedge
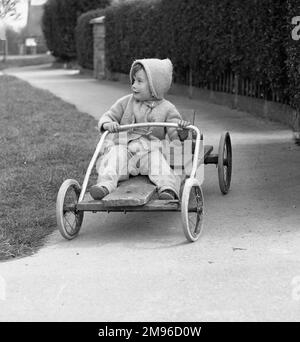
(59, 22)
(128, 33)
(210, 39)
(84, 38)
(293, 56)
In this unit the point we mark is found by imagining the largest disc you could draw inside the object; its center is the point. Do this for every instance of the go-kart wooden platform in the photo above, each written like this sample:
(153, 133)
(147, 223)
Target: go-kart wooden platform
(135, 194)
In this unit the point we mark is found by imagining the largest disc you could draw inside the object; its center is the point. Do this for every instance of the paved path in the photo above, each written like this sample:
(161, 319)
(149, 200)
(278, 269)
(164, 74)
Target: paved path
(138, 267)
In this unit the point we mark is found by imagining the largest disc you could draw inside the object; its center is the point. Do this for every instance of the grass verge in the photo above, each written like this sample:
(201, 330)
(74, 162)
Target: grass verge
(44, 141)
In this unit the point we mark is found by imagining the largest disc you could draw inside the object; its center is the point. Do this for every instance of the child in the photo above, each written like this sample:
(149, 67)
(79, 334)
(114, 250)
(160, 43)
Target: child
(150, 80)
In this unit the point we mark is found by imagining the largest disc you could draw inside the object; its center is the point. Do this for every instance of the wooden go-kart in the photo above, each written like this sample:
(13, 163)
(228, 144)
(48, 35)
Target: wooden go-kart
(139, 194)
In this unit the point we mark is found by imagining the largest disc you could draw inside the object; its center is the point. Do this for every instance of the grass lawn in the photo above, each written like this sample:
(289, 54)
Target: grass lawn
(43, 141)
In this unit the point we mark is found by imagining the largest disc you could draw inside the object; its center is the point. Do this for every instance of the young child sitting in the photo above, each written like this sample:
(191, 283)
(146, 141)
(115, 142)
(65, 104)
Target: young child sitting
(150, 81)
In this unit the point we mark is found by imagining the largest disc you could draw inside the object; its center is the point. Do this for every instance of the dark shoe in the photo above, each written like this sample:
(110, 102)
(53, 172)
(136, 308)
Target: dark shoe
(98, 192)
(167, 195)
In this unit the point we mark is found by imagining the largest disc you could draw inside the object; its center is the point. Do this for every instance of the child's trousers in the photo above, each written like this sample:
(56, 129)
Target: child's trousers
(136, 158)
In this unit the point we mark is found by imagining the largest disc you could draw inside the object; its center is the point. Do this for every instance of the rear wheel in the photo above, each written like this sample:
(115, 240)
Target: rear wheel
(225, 162)
(192, 210)
(69, 219)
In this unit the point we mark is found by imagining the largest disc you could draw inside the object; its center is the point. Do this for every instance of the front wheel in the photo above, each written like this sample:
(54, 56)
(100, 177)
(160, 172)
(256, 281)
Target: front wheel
(192, 210)
(69, 219)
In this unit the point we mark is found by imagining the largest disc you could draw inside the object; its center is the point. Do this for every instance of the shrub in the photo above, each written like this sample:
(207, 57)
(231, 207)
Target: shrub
(59, 22)
(293, 56)
(84, 38)
(210, 39)
(128, 33)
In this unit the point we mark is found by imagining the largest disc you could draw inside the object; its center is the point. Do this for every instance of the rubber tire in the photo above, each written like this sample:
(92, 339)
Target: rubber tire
(188, 186)
(224, 141)
(59, 208)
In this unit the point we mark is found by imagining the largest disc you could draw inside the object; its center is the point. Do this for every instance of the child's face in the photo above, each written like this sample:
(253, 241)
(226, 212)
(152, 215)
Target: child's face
(140, 86)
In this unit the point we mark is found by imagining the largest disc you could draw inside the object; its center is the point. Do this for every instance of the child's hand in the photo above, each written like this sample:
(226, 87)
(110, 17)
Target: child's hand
(182, 124)
(182, 131)
(112, 127)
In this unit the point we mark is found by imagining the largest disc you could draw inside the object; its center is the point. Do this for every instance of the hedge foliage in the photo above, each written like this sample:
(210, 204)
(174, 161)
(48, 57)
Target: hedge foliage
(293, 55)
(84, 38)
(59, 22)
(251, 39)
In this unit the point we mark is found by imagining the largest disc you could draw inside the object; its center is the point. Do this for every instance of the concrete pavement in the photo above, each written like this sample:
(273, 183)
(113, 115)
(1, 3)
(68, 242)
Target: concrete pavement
(138, 267)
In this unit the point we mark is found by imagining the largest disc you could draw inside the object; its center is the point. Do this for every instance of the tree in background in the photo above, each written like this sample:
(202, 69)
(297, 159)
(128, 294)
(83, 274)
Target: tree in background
(7, 9)
(14, 39)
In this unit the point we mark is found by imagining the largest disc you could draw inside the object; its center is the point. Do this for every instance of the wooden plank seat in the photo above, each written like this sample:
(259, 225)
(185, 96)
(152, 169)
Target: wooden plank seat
(152, 205)
(135, 194)
(125, 202)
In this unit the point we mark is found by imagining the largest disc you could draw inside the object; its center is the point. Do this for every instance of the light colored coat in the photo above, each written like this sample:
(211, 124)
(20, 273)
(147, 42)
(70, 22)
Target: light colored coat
(127, 110)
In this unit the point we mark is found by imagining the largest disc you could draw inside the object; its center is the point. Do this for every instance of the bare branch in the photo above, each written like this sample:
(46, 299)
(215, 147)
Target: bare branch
(8, 8)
